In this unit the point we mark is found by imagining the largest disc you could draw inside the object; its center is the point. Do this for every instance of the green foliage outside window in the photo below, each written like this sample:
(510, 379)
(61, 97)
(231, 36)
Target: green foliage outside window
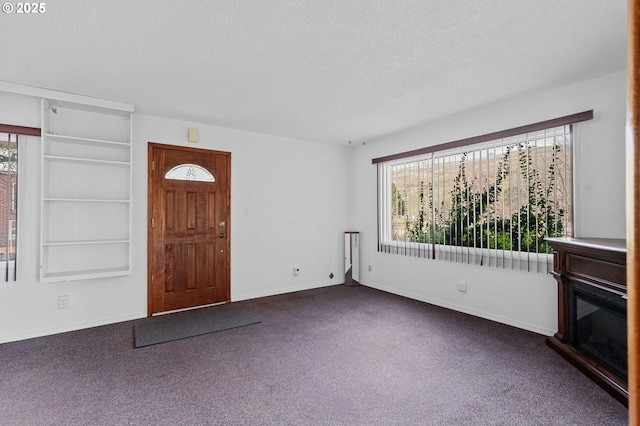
(471, 216)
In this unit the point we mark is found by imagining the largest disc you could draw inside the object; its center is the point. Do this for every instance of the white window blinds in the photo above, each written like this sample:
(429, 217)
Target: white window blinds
(490, 200)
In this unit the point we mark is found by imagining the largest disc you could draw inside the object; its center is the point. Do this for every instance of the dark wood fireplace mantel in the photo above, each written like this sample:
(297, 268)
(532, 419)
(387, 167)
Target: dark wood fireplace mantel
(600, 266)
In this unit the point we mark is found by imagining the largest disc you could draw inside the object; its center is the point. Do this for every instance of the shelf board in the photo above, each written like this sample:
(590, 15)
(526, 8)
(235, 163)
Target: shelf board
(86, 160)
(82, 103)
(84, 242)
(86, 274)
(85, 200)
(80, 140)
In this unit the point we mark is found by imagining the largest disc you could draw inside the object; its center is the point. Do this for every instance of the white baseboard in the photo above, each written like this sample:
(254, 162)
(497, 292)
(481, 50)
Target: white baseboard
(69, 327)
(486, 315)
(257, 295)
(79, 326)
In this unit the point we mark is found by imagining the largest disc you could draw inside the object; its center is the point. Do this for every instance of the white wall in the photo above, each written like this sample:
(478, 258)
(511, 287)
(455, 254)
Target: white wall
(526, 300)
(294, 192)
(28, 308)
(300, 197)
(288, 204)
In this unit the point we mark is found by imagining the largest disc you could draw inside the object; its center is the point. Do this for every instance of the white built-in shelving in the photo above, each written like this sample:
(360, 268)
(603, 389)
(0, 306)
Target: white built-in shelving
(85, 191)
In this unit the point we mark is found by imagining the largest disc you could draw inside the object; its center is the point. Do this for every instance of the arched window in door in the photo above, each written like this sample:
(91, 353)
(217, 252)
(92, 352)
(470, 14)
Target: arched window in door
(190, 172)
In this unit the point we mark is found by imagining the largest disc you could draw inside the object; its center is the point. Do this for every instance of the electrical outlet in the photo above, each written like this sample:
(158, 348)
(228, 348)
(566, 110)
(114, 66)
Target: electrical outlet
(63, 301)
(370, 268)
(296, 271)
(462, 286)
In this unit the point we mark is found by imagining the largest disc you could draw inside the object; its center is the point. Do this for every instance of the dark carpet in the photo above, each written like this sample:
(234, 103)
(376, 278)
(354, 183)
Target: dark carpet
(330, 356)
(181, 325)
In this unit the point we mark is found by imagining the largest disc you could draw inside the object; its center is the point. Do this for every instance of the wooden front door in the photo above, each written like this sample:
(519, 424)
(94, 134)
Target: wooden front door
(189, 199)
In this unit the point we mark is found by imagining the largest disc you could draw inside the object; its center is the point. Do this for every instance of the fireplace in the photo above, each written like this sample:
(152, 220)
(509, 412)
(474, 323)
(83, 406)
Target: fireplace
(592, 310)
(598, 325)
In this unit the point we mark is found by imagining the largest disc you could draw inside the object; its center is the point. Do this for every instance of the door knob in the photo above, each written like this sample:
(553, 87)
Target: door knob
(222, 235)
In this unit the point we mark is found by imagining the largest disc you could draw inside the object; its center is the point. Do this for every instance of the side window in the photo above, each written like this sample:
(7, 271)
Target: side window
(8, 203)
(190, 172)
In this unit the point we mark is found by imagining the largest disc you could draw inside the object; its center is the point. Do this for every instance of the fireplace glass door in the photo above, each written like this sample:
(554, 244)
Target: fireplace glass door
(598, 326)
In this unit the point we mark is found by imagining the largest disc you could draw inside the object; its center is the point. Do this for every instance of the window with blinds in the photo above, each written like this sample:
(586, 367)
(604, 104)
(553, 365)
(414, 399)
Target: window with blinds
(8, 204)
(11, 138)
(490, 200)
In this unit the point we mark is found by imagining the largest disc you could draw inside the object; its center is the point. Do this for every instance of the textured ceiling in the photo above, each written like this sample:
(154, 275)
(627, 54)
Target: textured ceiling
(321, 70)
